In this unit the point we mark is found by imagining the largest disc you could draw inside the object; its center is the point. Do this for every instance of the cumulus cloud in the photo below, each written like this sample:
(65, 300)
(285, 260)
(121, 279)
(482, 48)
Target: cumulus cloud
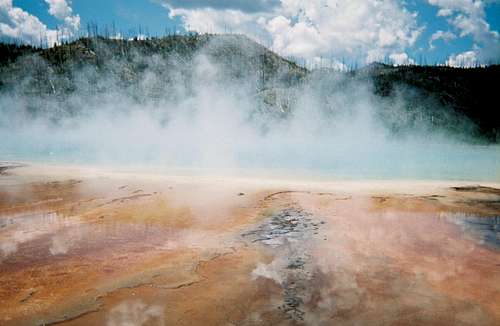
(367, 30)
(18, 24)
(209, 20)
(361, 30)
(441, 35)
(61, 10)
(239, 5)
(400, 59)
(215, 16)
(466, 59)
(468, 17)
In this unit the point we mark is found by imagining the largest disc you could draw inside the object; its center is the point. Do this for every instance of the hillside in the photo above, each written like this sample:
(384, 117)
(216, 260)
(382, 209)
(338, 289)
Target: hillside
(155, 69)
(54, 68)
(471, 92)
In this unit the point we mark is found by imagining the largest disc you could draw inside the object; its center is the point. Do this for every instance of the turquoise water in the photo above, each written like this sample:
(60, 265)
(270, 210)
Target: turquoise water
(395, 161)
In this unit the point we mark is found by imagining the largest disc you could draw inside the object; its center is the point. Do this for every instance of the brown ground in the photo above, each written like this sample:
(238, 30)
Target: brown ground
(88, 247)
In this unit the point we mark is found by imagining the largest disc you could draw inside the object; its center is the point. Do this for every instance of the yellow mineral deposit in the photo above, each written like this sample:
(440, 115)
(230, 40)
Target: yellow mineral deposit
(83, 246)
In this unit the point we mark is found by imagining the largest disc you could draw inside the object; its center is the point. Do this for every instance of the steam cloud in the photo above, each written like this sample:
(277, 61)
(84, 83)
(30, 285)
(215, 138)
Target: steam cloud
(135, 312)
(213, 120)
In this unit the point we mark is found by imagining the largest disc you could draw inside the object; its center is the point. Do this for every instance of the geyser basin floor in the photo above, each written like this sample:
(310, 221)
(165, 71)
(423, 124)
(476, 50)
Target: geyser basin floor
(90, 247)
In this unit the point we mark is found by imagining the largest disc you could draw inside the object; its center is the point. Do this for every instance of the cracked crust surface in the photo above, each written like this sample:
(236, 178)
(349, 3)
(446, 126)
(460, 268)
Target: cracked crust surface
(106, 249)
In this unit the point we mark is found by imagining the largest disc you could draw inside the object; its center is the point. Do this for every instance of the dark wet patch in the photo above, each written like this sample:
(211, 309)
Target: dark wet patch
(292, 301)
(478, 188)
(289, 233)
(432, 197)
(5, 166)
(296, 286)
(485, 202)
(28, 295)
(270, 196)
(289, 223)
(484, 229)
(380, 199)
(126, 198)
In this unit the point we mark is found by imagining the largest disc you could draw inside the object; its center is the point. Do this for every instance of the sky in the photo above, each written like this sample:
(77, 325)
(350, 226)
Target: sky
(327, 32)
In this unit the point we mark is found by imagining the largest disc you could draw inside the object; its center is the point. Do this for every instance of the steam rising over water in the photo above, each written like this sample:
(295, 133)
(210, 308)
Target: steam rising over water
(217, 123)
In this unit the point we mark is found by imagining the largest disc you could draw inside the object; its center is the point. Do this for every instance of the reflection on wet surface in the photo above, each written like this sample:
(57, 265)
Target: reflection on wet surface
(117, 251)
(288, 232)
(485, 230)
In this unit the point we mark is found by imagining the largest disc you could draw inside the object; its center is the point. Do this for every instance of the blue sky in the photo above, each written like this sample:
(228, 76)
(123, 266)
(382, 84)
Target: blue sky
(127, 15)
(465, 32)
(428, 17)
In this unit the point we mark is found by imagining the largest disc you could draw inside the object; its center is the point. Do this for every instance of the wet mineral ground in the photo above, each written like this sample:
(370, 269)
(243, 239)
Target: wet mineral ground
(82, 246)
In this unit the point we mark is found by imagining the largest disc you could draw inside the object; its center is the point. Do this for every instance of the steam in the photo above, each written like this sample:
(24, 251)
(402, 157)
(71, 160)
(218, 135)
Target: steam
(204, 117)
(20, 230)
(135, 312)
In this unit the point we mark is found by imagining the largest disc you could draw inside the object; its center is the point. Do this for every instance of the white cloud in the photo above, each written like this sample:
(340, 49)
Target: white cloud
(240, 5)
(360, 29)
(363, 30)
(19, 24)
(61, 10)
(445, 12)
(468, 17)
(297, 39)
(209, 20)
(441, 35)
(399, 59)
(346, 28)
(207, 16)
(466, 59)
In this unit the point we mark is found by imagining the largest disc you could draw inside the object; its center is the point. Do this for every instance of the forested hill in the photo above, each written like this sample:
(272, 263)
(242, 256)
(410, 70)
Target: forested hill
(128, 59)
(472, 92)
(150, 68)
